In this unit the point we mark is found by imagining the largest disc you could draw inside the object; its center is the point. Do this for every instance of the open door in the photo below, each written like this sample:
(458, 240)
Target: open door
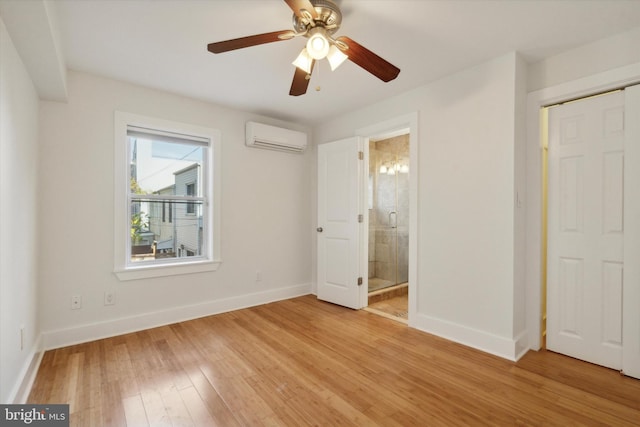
(338, 226)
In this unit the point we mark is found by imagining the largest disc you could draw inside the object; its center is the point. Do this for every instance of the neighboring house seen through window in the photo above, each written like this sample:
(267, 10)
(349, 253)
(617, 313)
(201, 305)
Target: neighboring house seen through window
(169, 199)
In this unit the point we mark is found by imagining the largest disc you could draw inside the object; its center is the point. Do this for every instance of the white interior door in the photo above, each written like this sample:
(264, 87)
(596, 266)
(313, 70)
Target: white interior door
(631, 286)
(338, 226)
(585, 229)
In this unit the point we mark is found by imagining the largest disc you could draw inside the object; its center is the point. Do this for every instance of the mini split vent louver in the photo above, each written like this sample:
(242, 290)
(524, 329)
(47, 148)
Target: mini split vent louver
(267, 137)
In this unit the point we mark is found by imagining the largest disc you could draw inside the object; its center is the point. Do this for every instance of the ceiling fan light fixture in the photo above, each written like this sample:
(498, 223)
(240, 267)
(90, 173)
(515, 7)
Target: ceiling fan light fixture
(317, 21)
(304, 61)
(335, 57)
(318, 44)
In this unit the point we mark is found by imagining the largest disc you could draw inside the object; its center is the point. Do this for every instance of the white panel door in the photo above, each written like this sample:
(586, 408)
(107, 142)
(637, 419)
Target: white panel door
(631, 287)
(338, 226)
(585, 229)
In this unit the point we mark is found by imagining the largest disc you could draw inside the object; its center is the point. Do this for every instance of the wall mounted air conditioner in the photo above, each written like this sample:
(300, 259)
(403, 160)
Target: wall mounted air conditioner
(259, 135)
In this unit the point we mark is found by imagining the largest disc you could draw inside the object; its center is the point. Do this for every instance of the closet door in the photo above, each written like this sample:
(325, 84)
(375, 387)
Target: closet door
(585, 229)
(631, 286)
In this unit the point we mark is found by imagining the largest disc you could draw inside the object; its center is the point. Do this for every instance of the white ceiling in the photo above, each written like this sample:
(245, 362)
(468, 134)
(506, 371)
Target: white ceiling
(163, 44)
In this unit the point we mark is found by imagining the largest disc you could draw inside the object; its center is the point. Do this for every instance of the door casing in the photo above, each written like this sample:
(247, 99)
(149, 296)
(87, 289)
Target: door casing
(395, 126)
(598, 83)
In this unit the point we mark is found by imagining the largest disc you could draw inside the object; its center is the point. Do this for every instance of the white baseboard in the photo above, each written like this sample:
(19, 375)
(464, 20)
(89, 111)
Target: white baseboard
(521, 345)
(511, 349)
(27, 376)
(93, 331)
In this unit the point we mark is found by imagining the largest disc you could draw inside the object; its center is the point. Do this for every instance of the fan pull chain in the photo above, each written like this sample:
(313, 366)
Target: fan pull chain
(318, 76)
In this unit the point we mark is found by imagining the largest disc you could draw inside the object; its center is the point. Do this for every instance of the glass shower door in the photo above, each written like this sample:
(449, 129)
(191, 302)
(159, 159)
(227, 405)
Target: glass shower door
(388, 212)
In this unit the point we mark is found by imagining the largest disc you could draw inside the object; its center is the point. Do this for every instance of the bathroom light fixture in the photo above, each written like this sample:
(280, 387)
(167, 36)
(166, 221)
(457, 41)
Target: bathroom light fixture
(393, 168)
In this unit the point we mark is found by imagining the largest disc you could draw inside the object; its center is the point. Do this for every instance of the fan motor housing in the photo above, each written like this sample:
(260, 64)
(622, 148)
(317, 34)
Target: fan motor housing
(329, 17)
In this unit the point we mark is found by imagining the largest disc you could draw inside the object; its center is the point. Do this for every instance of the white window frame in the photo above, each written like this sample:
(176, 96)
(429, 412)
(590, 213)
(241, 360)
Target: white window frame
(210, 260)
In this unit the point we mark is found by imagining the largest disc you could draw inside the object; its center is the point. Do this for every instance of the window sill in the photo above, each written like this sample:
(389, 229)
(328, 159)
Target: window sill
(150, 271)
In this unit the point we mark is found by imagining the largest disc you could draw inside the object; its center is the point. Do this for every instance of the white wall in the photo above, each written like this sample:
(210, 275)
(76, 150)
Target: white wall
(18, 212)
(602, 55)
(265, 220)
(467, 167)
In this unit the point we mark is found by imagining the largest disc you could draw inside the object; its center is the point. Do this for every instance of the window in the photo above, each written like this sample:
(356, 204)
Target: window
(191, 191)
(167, 197)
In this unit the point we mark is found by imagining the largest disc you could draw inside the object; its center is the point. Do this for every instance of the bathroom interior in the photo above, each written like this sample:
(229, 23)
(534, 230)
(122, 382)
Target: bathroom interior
(388, 252)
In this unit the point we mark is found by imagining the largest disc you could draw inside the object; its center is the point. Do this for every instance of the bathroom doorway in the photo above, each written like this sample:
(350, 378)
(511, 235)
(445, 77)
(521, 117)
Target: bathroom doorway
(388, 234)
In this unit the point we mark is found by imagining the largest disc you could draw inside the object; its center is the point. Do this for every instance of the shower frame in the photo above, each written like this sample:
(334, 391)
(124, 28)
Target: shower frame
(386, 261)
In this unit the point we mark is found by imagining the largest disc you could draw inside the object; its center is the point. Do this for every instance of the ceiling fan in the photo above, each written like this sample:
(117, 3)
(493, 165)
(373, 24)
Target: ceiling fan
(316, 20)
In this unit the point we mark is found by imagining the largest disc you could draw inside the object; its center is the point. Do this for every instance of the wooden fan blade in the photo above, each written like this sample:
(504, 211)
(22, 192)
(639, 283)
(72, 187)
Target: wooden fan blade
(301, 81)
(299, 5)
(242, 42)
(368, 60)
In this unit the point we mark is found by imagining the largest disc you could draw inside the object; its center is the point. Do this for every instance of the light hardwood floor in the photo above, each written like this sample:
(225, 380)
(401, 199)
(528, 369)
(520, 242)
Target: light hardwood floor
(395, 308)
(304, 362)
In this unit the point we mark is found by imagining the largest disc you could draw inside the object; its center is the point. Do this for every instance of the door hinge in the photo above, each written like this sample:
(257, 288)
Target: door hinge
(360, 155)
(360, 218)
(359, 281)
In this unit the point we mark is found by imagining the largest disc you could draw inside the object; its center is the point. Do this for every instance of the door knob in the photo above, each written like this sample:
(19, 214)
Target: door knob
(319, 229)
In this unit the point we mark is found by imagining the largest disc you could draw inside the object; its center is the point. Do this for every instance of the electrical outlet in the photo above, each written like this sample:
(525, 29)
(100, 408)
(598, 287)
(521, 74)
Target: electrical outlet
(109, 298)
(76, 302)
(258, 276)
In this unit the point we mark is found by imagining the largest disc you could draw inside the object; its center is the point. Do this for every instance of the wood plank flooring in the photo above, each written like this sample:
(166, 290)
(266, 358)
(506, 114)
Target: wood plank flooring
(395, 308)
(304, 362)
(391, 302)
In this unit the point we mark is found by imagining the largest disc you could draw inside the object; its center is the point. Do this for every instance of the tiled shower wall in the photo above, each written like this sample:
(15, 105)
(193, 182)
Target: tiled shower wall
(388, 193)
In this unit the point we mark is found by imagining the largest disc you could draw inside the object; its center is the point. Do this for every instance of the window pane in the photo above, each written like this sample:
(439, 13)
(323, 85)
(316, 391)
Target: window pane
(159, 167)
(153, 239)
